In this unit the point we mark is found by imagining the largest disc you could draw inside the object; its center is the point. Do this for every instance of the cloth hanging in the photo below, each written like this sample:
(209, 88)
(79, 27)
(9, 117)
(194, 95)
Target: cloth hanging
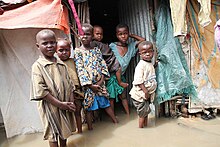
(178, 15)
(173, 75)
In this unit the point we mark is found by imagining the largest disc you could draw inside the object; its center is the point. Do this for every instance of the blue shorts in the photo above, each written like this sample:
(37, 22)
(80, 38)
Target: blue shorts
(99, 102)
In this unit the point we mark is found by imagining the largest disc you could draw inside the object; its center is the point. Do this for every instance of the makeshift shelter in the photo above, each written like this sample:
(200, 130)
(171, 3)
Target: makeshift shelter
(17, 48)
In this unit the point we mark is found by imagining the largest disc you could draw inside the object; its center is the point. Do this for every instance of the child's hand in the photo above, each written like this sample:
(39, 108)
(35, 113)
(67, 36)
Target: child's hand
(100, 82)
(131, 35)
(70, 106)
(147, 95)
(95, 88)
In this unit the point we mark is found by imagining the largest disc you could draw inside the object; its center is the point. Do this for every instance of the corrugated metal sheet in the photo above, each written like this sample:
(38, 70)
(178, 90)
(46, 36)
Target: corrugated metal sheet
(136, 14)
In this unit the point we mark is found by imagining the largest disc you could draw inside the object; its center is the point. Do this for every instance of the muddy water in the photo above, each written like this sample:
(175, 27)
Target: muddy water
(168, 132)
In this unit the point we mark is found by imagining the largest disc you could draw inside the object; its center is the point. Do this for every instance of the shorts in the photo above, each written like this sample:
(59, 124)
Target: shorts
(99, 102)
(143, 108)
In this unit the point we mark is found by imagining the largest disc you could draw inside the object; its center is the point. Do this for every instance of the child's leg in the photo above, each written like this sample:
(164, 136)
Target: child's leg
(118, 77)
(53, 144)
(78, 116)
(146, 120)
(89, 119)
(62, 142)
(124, 102)
(112, 105)
(141, 122)
(110, 112)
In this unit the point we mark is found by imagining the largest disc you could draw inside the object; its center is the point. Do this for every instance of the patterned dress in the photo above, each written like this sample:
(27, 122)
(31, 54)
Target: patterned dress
(49, 77)
(90, 67)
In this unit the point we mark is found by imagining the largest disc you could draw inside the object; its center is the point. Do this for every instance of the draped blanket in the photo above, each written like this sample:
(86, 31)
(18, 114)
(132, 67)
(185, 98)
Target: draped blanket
(173, 75)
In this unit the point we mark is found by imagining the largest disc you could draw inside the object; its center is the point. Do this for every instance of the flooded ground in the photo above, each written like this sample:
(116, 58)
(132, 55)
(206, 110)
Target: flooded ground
(168, 132)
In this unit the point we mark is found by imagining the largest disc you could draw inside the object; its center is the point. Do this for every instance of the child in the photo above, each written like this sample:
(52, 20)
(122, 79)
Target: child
(109, 57)
(63, 52)
(92, 70)
(52, 88)
(97, 33)
(144, 84)
(123, 52)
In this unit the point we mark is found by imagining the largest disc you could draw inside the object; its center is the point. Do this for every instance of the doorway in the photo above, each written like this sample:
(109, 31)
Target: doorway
(105, 14)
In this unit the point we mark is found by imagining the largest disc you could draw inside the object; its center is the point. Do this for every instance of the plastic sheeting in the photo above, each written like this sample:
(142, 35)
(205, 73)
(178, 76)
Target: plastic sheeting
(17, 53)
(38, 14)
(205, 57)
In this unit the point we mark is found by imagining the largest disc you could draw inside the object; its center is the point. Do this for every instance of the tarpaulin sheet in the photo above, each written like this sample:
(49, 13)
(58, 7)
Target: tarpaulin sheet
(38, 14)
(205, 57)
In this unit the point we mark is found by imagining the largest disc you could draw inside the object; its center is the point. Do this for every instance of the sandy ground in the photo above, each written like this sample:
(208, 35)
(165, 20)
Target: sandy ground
(168, 132)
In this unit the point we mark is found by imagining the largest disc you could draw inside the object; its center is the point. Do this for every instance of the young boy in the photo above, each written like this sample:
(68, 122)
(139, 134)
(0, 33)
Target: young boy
(109, 57)
(63, 52)
(52, 88)
(144, 84)
(92, 70)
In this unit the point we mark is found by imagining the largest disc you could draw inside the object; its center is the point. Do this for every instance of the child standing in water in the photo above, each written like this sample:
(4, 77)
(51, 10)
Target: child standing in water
(109, 57)
(144, 84)
(63, 52)
(92, 70)
(123, 52)
(52, 88)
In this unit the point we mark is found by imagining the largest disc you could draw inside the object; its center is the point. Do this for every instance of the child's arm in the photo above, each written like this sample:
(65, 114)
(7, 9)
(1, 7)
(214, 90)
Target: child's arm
(62, 105)
(144, 89)
(136, 37)
(95, 88)
(118, 77)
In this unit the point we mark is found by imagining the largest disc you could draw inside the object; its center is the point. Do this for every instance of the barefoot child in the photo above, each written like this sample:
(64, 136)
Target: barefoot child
(63, 52)
(123, 53)
(92, 70)
(144, 84)
(52, 88)
(109, 57)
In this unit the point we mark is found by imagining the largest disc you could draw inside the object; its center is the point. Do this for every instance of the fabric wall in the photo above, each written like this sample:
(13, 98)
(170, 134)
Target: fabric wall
(205, 59)
(37, 14)
(17, 54)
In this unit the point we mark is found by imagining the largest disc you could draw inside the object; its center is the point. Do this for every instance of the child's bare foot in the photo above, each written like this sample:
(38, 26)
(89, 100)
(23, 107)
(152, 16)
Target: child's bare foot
(124, 85)
(115, 120)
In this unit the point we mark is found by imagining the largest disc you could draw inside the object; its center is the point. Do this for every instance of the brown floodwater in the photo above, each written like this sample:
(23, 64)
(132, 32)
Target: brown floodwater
(168, 132)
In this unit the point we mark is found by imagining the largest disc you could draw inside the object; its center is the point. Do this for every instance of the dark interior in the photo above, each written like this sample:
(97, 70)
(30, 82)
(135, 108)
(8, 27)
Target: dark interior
(105, 14)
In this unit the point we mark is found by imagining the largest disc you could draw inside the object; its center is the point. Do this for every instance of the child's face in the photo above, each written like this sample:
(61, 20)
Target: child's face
(122, 34)
(87, 37)
(63, 50)
(47, 45)
(146, 52)
(98, 34)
